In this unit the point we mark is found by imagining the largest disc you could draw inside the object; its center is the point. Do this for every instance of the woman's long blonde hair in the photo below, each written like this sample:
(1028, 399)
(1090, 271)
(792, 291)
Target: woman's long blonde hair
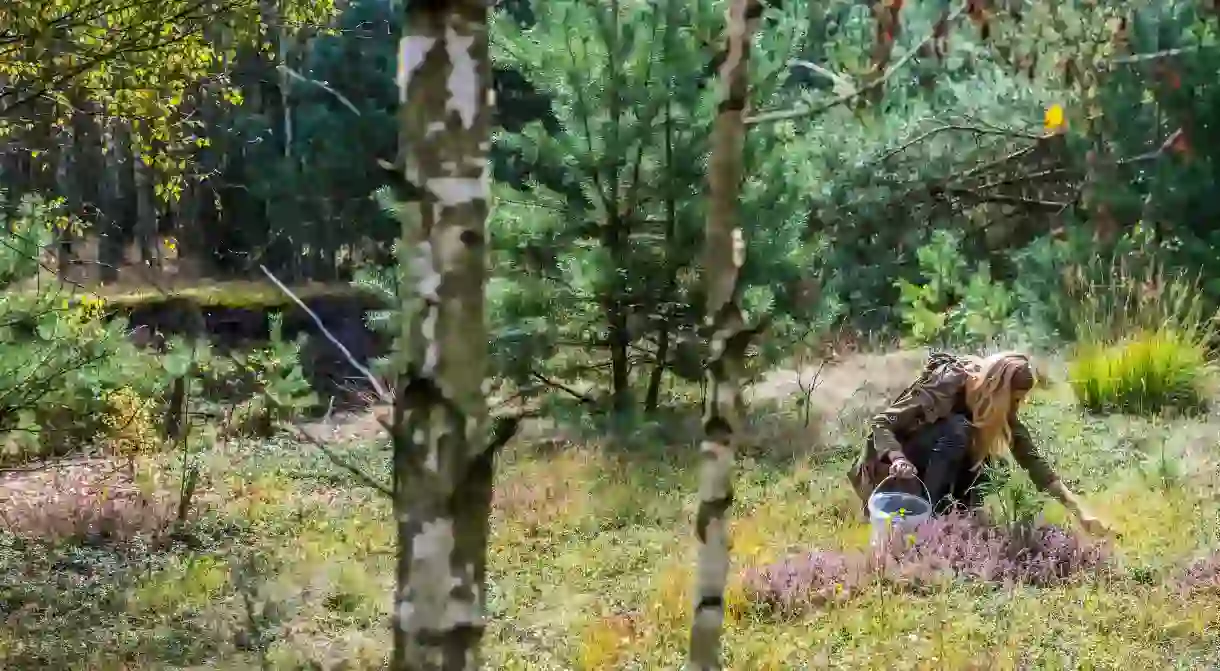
(989, 395)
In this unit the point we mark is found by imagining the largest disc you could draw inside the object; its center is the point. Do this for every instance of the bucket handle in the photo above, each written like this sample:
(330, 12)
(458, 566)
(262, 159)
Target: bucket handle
(927, 494)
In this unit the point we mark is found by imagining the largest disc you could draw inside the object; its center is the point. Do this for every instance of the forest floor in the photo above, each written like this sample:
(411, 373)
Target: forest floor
(290, 566)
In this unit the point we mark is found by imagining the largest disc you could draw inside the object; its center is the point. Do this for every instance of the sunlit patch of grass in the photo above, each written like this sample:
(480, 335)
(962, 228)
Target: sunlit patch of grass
(534, 494)
(1143, 374)
(1156, 524)
(184, 583)
(606, 642)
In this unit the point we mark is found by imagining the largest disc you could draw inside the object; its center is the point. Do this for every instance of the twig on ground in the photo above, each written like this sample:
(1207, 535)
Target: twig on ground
(364, 478)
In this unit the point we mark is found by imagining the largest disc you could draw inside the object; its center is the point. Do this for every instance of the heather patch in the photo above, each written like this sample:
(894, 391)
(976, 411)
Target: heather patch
(92, 501)
(951, 547)
(1201, 577)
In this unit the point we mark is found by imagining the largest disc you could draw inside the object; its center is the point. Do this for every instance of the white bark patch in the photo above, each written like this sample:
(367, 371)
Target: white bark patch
(450, 191)
(463, 77)
(432, 352)
(431, 577)
(406, 611)
(412, 50)
(739, 248)
(428, 281)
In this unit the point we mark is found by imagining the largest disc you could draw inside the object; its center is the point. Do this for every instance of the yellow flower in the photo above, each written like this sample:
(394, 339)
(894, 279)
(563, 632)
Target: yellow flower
(1053, 120)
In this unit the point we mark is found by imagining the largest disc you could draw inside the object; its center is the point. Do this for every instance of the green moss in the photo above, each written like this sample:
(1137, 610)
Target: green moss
(234, 294)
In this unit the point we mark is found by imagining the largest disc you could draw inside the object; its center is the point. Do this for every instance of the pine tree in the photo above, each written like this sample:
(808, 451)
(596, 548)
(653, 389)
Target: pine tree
(597, 254)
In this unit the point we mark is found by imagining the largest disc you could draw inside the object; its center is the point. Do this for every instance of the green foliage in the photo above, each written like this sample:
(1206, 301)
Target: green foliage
(63, 362)
(383, 282)
(953, 302)
(609, 252)
(138, 61)
(257, 389)
(1013, 502)
(1146, 373)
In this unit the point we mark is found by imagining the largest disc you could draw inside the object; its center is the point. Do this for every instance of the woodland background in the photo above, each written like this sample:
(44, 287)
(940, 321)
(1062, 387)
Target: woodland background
(188, 456)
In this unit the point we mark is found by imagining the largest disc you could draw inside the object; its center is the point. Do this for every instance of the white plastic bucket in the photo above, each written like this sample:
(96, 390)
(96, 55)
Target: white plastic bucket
(891, 513)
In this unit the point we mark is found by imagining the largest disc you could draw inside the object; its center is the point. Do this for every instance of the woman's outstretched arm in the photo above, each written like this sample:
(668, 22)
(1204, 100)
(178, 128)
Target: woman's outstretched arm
(1045, 478)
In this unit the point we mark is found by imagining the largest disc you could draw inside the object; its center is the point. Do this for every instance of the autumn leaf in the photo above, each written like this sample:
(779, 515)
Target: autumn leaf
(1054, 120)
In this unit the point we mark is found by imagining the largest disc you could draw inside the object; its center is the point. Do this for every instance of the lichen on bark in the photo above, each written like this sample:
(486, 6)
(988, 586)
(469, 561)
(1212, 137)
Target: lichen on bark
(442, 473)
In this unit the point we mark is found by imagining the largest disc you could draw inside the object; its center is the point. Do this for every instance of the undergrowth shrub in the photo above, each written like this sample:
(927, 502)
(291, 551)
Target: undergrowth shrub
(129, 425)
(255, 389)
(954, 546)
(62, 356)
(82, 505)
(1201, 577)
(955, 302)
(1143, 333)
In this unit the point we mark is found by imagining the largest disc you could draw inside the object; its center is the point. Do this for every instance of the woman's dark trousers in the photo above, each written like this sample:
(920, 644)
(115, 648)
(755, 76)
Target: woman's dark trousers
(940, 453)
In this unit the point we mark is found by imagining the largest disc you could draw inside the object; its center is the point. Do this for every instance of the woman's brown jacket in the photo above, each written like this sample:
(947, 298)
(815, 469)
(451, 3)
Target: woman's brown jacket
(933, 396)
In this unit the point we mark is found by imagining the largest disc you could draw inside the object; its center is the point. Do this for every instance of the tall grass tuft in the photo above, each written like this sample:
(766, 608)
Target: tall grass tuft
(1143, 339)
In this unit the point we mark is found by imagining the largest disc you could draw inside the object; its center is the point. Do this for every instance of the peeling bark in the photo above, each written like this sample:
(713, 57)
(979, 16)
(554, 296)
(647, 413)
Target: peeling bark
(442, 462)
(724, 255)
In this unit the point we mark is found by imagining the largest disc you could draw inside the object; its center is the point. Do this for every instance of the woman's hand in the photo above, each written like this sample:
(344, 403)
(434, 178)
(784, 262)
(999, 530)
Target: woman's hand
(902, 469)
(1092, 524)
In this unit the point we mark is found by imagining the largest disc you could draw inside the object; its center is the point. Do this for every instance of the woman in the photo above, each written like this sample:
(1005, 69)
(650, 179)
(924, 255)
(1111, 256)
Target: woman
(960, 415)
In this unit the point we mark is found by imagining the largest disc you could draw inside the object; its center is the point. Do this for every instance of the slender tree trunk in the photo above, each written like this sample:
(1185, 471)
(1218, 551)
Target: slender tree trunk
(724, 254)
(122, 178)
(616, 317)
(442, 463)
(64, 170)
(88, 166)
(146, 213)
(652, 399)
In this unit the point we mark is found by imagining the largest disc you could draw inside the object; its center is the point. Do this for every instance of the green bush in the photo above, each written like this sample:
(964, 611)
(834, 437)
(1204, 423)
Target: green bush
(65, 369)
(1146, 373)
(1143, 333)
(955, 302)
(255, 389)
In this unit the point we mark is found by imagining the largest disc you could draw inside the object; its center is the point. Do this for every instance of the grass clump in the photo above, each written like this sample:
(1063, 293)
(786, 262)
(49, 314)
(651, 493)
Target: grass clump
(1147, 373)
(1143, 340)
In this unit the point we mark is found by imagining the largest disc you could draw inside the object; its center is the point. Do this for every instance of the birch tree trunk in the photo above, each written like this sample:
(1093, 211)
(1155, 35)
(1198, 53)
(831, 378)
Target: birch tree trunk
(442, 462)
(724, 254)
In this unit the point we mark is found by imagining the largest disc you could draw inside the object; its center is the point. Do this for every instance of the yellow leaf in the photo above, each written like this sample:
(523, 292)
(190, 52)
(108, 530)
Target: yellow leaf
(1054, 117)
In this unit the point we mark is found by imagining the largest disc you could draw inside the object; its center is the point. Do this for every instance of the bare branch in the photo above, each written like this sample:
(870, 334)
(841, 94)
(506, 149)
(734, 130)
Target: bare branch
(377, 386)
(848, 96)
(320, 84)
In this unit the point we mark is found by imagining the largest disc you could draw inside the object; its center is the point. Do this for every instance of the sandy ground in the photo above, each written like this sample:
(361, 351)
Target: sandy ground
(858, 380)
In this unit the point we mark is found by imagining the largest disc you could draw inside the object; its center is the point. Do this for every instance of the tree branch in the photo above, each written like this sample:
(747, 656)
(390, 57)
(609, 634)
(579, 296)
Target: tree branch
(848, 96)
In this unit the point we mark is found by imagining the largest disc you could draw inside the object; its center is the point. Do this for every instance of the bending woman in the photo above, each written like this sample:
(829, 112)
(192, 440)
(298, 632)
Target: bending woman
(960, 415)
